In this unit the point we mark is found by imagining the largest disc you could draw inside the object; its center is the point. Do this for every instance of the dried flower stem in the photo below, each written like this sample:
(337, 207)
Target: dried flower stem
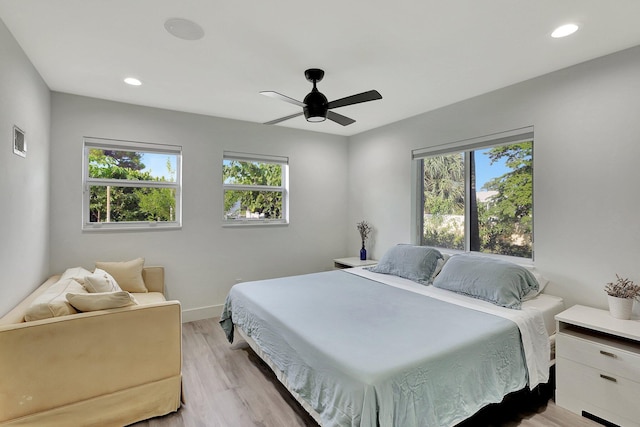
(364, 228)
(623, 288)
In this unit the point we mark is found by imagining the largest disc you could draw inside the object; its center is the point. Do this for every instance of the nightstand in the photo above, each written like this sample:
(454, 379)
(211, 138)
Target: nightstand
(598, 365)
(352, 262)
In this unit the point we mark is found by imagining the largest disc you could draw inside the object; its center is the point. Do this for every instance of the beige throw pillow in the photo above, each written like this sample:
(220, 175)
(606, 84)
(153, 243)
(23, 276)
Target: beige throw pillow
(101, 281)
(53, 303)
(101, 300)
(128, 274)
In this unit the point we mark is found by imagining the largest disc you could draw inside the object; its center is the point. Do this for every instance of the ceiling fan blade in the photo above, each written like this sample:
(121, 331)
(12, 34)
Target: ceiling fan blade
(371, 95)
(282, 97)
(339, 118)
(282, 119)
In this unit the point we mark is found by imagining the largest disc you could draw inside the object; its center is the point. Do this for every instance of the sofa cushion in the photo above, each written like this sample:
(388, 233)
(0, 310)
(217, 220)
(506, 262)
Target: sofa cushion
(149, 298)
(100, 300)
(53, 302)
(128, 274)
(101, 281)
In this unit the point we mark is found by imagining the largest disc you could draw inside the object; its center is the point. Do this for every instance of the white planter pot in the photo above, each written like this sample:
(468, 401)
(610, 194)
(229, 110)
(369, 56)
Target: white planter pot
(620, 308)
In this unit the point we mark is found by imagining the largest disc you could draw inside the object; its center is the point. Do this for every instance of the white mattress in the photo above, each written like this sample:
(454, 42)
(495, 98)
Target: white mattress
(549, 305)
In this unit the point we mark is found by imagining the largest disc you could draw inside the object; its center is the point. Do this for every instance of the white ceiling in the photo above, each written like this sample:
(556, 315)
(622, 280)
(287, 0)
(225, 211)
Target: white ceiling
(419, 54)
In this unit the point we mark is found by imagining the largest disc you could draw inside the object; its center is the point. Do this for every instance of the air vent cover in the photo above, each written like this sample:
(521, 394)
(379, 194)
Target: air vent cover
(19, 144)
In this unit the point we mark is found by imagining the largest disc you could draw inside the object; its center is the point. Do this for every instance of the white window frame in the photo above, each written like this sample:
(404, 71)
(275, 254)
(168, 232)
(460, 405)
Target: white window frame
(121, 145)
(417, 205)
(283, 188)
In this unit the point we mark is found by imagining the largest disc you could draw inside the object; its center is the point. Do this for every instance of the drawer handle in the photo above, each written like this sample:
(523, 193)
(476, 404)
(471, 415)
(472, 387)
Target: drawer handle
(606, 353)
(608, 378)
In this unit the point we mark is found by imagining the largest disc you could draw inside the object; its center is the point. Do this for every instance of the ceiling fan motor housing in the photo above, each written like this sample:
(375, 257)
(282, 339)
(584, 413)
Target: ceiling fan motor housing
(315, 109)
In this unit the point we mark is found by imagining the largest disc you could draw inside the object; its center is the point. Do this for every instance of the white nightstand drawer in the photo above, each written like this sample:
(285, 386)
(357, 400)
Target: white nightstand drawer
(613, 357)
(601, 393)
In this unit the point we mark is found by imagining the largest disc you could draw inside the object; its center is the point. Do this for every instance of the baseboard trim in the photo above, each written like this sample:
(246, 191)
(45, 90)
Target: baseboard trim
(200, 313)
(598, 419)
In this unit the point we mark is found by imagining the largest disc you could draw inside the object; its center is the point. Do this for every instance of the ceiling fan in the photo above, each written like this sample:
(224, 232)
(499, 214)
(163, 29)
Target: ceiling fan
(316, 107)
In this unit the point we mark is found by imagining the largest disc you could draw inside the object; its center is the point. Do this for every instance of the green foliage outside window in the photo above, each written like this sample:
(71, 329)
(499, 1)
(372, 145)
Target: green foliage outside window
(506, 224)
(262, 202)
(444, 201)
(504, 220)
(119, 203)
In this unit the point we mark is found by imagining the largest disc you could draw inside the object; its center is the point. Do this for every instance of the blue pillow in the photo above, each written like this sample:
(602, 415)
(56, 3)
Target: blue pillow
(416, 263)
(500, 282)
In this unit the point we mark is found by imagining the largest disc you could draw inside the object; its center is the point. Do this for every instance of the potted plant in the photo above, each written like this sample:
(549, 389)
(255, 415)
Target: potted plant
(621, 294)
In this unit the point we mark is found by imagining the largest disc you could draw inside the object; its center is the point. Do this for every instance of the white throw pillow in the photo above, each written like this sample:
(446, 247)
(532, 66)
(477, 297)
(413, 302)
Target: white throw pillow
(128, 274)
(52, 303)
(101, 300)
(101, 281)
(76, 273)
(542, 281)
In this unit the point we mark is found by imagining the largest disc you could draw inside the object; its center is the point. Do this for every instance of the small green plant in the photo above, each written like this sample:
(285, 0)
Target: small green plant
(623, 288)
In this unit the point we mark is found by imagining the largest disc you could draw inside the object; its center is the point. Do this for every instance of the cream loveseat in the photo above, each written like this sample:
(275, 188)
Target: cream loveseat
(108, 367)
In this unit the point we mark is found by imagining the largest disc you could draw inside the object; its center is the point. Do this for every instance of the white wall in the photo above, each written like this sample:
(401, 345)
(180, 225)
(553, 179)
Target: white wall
(586, 169)
(587, 146)
(203, 259)
(24, 182)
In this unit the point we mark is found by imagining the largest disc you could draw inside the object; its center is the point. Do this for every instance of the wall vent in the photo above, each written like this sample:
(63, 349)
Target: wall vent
(19, 143)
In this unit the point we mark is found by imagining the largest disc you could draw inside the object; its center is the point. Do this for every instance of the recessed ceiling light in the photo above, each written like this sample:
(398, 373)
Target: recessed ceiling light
(564, 31)
(132, 81)
(184, 29)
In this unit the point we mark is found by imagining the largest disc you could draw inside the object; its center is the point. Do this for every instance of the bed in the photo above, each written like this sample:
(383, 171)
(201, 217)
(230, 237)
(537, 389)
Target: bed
(367, 348)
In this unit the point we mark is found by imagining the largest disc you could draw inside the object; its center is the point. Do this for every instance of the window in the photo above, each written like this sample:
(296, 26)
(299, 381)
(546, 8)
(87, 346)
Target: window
(255, 189)
(477, 195)
(131, 185)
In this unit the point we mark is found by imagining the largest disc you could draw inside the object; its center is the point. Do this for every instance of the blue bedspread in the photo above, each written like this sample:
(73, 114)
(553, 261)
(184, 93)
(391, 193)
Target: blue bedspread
(363, 353)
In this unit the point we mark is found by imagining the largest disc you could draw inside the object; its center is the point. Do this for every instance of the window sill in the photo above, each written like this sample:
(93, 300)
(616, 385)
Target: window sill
(138, 226)
(254, 223)
(525, 262)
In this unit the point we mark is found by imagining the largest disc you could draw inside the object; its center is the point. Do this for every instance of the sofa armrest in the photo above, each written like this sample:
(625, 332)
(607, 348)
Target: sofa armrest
(48, 363)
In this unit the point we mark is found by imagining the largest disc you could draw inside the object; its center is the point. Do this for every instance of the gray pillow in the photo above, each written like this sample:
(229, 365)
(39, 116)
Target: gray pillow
(500, 282)
(416, 263)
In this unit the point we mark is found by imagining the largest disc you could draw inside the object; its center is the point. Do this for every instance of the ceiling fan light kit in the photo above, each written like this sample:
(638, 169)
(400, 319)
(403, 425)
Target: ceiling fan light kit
(316, 107)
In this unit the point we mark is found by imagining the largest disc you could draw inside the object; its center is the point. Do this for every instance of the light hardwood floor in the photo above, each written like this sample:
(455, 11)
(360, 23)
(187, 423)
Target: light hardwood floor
(227, 385)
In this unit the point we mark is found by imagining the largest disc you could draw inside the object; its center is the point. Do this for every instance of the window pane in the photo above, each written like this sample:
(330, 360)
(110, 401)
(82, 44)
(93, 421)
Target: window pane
(132, 165)
(444, 201)
(239, 204)
(126, 204)
(251, 173)
(504, 194)
(501, 203)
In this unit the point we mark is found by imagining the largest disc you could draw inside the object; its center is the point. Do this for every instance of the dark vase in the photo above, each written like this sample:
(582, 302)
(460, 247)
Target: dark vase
(363, 253)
